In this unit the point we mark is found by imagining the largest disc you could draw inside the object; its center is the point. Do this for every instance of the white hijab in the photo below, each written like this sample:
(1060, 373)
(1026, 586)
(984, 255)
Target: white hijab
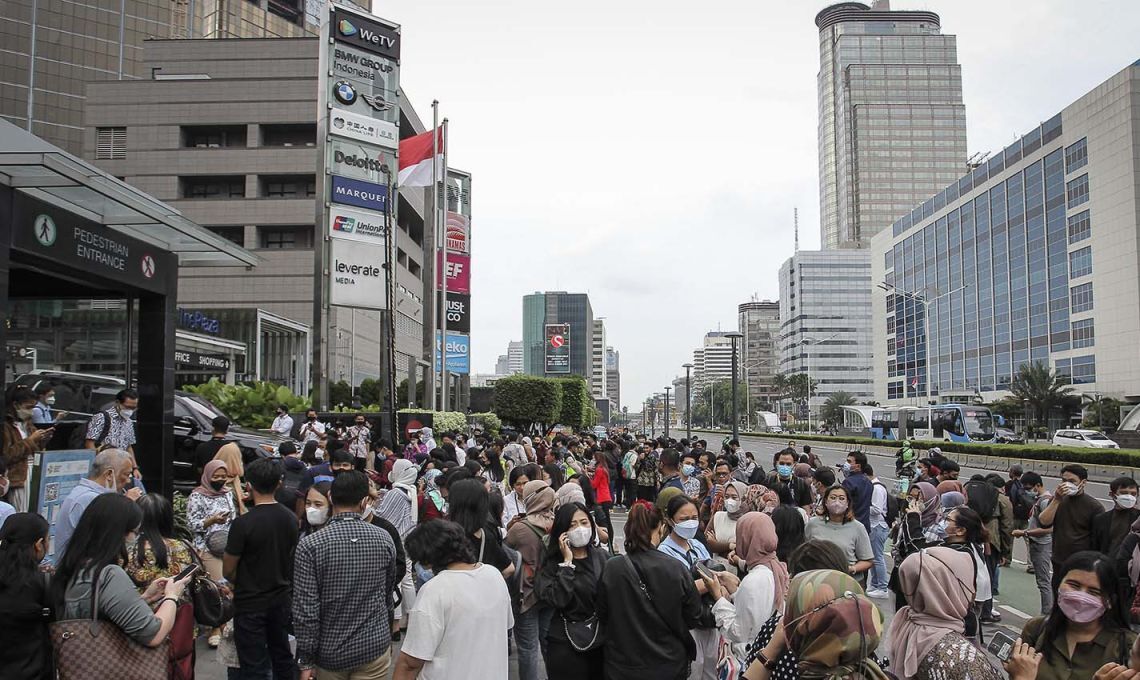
(403, 477)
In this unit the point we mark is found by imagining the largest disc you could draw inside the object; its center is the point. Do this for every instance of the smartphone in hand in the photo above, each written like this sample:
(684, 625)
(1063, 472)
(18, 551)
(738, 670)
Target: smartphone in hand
(1001, 645)
(187, 572)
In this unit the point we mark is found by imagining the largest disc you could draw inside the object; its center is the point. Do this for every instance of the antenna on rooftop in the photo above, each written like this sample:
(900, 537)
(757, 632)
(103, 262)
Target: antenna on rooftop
(796, 222)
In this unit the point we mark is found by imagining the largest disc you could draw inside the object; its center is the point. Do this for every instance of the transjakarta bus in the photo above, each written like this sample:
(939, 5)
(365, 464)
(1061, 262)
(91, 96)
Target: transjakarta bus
(944, 422)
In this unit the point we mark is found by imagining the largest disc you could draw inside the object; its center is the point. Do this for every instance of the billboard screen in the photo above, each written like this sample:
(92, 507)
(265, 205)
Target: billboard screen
(557, 348)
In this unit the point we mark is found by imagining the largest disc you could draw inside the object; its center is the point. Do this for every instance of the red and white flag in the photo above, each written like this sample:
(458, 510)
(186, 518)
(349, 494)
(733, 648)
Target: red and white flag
(416, 160)
(914, 383)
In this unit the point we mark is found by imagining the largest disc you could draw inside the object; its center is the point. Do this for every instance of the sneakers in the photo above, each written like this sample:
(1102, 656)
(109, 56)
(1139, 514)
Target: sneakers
(992, 618)
(879, 593)
(214, 641)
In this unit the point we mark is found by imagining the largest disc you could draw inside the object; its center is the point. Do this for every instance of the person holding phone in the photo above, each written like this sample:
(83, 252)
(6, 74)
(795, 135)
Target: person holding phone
(211, 508)
(20, 442)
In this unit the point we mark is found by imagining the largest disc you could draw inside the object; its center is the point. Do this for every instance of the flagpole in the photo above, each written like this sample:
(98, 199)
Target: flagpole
(430, 393)
(443, 299)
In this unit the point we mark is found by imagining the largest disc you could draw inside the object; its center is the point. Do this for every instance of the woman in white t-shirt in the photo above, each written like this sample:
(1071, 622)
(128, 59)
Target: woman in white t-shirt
(513, 505)
(461, 617)
(720, 534)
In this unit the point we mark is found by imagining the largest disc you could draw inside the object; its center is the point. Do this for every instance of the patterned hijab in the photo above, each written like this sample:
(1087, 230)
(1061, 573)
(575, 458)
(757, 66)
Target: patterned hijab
(759, 498)
(930, 499)
(939, 601)
(832, 627)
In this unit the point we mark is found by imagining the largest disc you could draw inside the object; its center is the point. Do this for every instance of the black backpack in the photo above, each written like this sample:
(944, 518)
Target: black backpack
(982, 498)
(79, 433)
(892, 505)
(294, 479)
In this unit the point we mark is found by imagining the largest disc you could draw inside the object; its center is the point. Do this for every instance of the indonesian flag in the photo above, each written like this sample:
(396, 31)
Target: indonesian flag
(913, 383)
(416, 160)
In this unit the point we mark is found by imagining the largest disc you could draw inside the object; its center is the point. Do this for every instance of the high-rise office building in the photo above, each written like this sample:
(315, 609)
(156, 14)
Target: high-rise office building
(514, 357)
(825, 322)
(713, 359)
(760, 350)
(598, 360)
(1032, 256)
(75, 43)
(613, 377)
(892, 126)
(502, 366)
(558, 307)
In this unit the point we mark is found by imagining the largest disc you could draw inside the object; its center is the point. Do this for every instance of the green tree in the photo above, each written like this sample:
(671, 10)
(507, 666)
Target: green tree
(780, 386)
(832, 411)
(577, 404)
(402, 392)
(371, 392)
(340, 394)
(249, 404)
(1101, 412)
(1039, 385)
(527, 400)
(800, 388)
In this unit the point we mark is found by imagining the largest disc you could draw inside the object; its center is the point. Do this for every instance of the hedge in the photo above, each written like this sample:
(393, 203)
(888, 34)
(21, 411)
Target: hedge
(524, 400)
(442, 421)
(1066, 454)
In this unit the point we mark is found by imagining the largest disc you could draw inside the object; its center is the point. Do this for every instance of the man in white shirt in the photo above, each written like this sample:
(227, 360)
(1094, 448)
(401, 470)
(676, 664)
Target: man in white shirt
(312, 430)
(879, 529)
(283, 423)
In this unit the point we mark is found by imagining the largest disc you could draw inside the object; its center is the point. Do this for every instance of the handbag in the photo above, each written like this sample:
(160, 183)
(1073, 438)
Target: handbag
(90, 649)
(216, 542)
(584, 636)
(727, 665)
(212, 605)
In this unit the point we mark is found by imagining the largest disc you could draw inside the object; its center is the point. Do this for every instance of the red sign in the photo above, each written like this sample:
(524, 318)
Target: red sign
(557, 341)
(457, 230)
(458, 272)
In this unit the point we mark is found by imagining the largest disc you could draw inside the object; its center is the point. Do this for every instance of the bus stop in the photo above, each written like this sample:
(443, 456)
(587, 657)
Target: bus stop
(69, 230)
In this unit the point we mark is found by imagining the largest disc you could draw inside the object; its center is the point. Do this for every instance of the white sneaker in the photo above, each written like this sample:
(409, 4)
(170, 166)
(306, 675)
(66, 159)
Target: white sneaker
(878, 594)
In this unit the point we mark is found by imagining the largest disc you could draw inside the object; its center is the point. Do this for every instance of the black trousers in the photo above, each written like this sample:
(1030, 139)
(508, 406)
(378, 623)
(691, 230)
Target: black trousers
(262, 641)
(563, 662)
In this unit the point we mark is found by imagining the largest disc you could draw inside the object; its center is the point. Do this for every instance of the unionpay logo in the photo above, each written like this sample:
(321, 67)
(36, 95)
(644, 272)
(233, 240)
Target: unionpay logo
(345, 27)
(344, 223)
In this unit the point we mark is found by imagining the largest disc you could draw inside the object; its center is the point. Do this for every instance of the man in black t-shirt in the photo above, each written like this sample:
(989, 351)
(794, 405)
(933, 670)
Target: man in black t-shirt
(782, 475)
(259, 563)
(209, 448)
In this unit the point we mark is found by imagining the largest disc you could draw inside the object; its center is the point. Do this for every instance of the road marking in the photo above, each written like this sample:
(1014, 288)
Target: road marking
(1015, 611)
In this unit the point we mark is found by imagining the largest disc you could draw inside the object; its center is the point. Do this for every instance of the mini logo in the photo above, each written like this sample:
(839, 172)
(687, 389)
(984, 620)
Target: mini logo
(148, 266)
(376, 101)
(557, 341)
(345, 27)
(338, 122)
(344, 223)
(45, 231)
(344, 92)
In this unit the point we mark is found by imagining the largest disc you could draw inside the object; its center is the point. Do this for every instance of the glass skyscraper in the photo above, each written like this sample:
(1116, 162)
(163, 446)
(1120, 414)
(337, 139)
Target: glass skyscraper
(1032, 256)
(892, 126)
(540, 309)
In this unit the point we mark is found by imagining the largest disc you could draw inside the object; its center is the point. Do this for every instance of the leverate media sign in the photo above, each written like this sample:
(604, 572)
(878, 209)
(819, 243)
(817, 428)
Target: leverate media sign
(557, 348)
(356, 275)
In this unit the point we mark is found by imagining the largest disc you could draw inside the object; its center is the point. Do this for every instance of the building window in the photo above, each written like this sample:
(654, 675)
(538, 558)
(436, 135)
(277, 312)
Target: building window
(285, 238)
(213, 186)
(230, 233)
(1080, 262)
(213, 136)
(1084, 370)
(288, 186)
(304, 134)
(1076, 156)
(1080, 227)
(110, 143)
(1081, 298)
(1077, 191)
(1083, 333)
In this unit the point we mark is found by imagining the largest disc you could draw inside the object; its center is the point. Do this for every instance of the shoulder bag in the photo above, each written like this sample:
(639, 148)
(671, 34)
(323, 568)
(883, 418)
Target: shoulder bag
(90, 649)
(212, 605)
(585, 635)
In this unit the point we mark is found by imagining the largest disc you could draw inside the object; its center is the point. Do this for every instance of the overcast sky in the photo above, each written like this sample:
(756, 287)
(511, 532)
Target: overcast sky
(651, 153)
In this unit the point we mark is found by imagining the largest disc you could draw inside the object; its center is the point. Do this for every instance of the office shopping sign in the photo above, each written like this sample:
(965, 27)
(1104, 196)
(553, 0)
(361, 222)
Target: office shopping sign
(557, 348)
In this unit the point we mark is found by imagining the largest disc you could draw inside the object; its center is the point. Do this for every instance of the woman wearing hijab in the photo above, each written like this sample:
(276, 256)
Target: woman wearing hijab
(432, 504)
(400, 506)
(527, 536)
(926, 641)
(211, 508)
(948, 485)
(759, 498)
(568, 494)
(948, 501)
(761, 593)
(720, 535)
(230, 454)
(915, 531)
(830, 626)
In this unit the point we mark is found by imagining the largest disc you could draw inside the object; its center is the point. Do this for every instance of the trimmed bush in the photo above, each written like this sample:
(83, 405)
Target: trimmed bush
(577, 404)
(527, 400)
(490, 422)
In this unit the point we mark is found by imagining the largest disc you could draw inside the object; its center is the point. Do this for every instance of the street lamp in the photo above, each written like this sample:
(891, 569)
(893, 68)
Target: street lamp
(667, 388)
(926, 303)
(688, 401)
(807, 355)
(735, 336)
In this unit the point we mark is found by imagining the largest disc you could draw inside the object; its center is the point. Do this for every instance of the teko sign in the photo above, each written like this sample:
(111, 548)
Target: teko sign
(377, 38)
(557, 348)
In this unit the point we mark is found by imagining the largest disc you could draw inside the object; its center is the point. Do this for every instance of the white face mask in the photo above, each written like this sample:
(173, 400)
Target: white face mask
(580, 537)
(1073, 489)
(1126, 501)
(732, 504)
(50, 400)
(128, 412)
(316, 516)
(114, 484)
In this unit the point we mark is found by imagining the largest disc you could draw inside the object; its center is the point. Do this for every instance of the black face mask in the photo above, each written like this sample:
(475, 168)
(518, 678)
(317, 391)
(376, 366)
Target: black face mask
(312, 419)
(217, 484)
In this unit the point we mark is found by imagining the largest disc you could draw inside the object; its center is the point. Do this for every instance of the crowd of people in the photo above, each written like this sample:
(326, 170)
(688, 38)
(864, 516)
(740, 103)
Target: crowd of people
(466, 546)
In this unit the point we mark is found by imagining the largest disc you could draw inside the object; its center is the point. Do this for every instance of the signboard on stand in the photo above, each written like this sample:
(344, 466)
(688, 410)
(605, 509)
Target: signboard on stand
(52, 477)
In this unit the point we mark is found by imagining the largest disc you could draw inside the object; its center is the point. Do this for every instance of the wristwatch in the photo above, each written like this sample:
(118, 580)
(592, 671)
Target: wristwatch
(769, 664)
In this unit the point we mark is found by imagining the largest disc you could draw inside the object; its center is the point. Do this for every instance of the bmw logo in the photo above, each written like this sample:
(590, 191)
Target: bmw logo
(344, 92)
(345, 27)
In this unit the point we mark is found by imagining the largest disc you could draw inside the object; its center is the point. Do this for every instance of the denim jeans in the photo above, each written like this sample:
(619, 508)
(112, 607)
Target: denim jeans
(1041, 557)
(879, 566)
(262, 641)
(527, 643)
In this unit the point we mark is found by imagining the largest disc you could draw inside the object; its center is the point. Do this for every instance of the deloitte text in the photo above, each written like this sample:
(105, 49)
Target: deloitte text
(362, 162)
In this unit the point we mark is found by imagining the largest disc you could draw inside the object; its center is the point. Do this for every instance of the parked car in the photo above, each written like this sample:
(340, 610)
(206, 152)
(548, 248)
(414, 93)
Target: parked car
(1005, 435)
(1085, 438)
(82, 395)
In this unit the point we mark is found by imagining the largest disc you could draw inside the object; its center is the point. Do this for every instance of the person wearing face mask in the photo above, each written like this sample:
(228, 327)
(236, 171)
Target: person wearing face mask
(20, 442)
(720, 536)
(359, 439)
(1040, 540)
(25, 609)
(836, 523)
(527, 536)
(567, 584)
(1109, 529)
(966, 533)
(690, 481)
(45, 399)
(1070, 514)
(211, 508)
(312, 430)
(648, 602)
(110, 471)
(282, 422)
(783, 474)
(1087, 626)
(114, 427)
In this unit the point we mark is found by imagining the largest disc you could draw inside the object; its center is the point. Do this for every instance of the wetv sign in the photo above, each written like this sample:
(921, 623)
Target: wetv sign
(353, 29)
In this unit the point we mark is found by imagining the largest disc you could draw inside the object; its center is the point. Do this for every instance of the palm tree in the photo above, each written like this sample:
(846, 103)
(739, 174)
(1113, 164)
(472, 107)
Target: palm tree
(799, 389)
(1102, 412)
(780, 386)
(1039, 386)
(832, 411)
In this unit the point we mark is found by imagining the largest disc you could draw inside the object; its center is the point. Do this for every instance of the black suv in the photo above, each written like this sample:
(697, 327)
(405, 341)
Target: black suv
(82, 395)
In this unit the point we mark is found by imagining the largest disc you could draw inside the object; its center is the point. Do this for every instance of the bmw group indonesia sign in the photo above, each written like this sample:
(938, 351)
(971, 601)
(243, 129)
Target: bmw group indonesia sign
(359, 85)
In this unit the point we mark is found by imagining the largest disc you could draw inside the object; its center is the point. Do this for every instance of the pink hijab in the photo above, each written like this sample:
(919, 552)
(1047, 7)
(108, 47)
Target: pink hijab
(204, 488)
(756, 543)
(939, 600)
(950, 485)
